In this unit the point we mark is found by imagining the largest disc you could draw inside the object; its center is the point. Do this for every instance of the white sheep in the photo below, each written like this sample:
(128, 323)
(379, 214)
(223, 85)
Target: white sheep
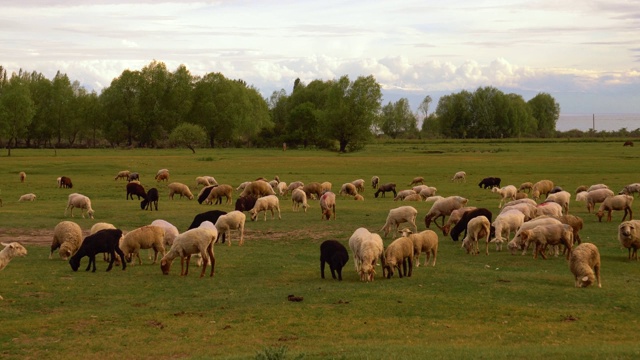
(517, 244)
(299, 198)
(427, 192)
(145, 237)
(549, 208)
(399, 254)
(419, 188)
(359, 184)
(202, 180)
(563, 198)
(194, 241)
(23, 176)
(354, 244)
(233, 220)
(28, 197)
(425, 241)
(596, 196)
(597, 187)
(507, 192)
(398, 216)
(282, 188)
(211, 180)
(294, 185)
(412, 197)
(170, 231)
(180, 189)
(328, 206)
(258, 188)
(584, 264)
(79, 201)
(326, 187)
(478, 227)
(10, 251)
(460, 176)
(67, 236)
(530, 211)
(434, 198)
(443, 208)
(242, 186)
(403, 194)
(629, 237)
(552, 234)
(582, 195)
(506, 222)
(265, 203)
(348, 189)
(630, 189)
(371, 250)
(616, 202)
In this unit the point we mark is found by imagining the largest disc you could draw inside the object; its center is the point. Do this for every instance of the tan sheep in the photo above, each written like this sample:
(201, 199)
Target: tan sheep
(403, 194)
(233, 220)
(299, 198)
(145, 237)
(399, 254)
(507, 192)
(348, 189)
(23, 176)
(10, 251)
(460, 176)
(202, 180)
(444, 207)
(67, 236)
(398, 216)
(258, 188)
(313, 188)
(194, 241)
(266, 203)
(506, 222)
(584, 264)
(596, 196)
(424, 241)
(124, 174)
(543, 235)
(162, 175)
(549, 208)
(517, 244)
(282, 189)
(413, 197)
(359, 184)
(27, 197)
(79, 201)
(416, 181)
(478, 227)
(563, 198)
(370, 251)
(428, 192)
(180, 189)
(616, 202)
(525, 186)
(218, 192)
(328, 206)
(326, 186)
(358, 197)
(629, 237)
(375, 180)
(455, 216)
(542, 187)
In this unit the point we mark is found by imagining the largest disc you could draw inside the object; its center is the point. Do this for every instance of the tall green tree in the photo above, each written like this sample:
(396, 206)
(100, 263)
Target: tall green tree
(16, 110)
(546, 111)
(60, 106)
(121, 101)
(396, 119)
(188, 135)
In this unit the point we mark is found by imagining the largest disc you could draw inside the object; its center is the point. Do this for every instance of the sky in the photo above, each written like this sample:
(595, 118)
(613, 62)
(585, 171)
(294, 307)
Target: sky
(585, 53)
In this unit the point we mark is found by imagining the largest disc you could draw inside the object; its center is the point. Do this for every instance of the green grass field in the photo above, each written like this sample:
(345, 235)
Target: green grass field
(499, 306)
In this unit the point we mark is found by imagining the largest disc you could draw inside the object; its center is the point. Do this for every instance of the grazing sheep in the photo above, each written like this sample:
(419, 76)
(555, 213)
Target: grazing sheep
(428, 192)
(367, 250)
(424, 241)
(443, 208)
(584, 264)
(478, 227)
(313, 188)
(576, 224)
(383, 189)
(270, 202)
(203, 195)
(399, 254)
(506, 222)
(542, 187)
(294, 185)
(170, 231)
(525, 186)
(328, 206)
(630, 189)
(403, 194)
(355, 241)
(202, 180)
(94, 229)
(335, 254)
(549, 208)
(245, 203)
(23, 176)
(507, 192)
(563, 198)
(181, 189)
(434, 198)
(258, 188)
(242, 186)
(530, 211)
(162, 175)
(629, 237)
(273, 184)
(460, 176)
(282, 189)
(416, 180)
(212, 216)
(194, 241)
(398, 216)
(374, 181)
(521, 195)
(124, 174)
(79, 201)
(299, 198)
(135, 189)
(597, 187)
(489, 182)
(594, 197)
(358, 197)
(359, 184)
(462, 225)
(220, 191)
(151, 200)
(133, 177)
(581, 188)
(65, 182)
(582, 196)
(145, 237)
(552, 234)
(455, 216)
(616, 202)
(517, 244)
(419, 188)
(67, 236)
(348, 189)
(234, 220)
(412, 197)
(10, 251)
(106, 240)
(27, 197)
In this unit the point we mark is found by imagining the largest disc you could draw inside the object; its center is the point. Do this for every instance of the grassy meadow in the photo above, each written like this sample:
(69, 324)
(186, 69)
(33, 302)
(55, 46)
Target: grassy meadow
(499, 306)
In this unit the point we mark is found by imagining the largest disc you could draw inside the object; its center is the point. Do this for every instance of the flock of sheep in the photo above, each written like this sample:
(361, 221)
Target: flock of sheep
(546, 225)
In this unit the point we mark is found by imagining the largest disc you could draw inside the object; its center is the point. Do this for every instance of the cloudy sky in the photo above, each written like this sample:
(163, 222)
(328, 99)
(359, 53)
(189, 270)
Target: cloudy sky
(585, 53)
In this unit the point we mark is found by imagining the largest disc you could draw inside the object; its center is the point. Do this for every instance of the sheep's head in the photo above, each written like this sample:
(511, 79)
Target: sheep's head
(525, 235)
(165, 266)
(15, 249)
(513, 247)
(326, 214)
(600, 214)
(90, 213)
(74, 262)
(367, 272)
(585, 281)
(405, 232)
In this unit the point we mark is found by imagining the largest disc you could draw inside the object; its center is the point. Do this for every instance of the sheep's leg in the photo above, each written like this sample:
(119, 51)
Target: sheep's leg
(404, 267)
(322, 268)
(113, 259)
(410, 264)
(92, 260)
(88, 265)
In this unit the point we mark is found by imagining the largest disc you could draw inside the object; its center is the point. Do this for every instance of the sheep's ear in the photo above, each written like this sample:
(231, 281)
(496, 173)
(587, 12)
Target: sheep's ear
(5, 244)
(585, 279)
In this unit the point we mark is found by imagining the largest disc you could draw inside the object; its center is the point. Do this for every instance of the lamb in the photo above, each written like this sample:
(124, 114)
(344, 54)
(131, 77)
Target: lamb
(478, 227)
(616, 202)
(348, 189)
(489, 182)
(65, 182)
(443, 208)
(106, 240)
(335, 254)
(455, 216)
(245, 203)
(552, 234)
(133, 176)
(181, 189)
(270, 202)
(506, 222)
(525, 186)
(630, 189)
(124, 174)
(417, 180)
(162, 175)
(135, 189)
(194, 241)
(383, 189)
(424, 241)
(358, 197)
(374, 181)
(460, 176)
(549, 208)
(582, 195)
(313, 188)
(67, 236)
(79, 201)
(10, 251)
(596, 196)
(398, 216)
(212, 216)
(403, 194)
(629, 237)
(359, 184)
(151, 200)
(464, 221)
(540, 188)
(507, 192)
(328, 206)
(398, 253)
(584, 264)
(517, 244)
(258, 188)
(146, 237)
(23, 176)
(428, 192)
(563, 198)
(299, 198)
(234, 220)
(219, 191)
(27, 197)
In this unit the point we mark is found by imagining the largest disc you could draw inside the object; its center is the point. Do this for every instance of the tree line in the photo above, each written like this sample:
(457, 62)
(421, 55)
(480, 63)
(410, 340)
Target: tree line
(155, 107)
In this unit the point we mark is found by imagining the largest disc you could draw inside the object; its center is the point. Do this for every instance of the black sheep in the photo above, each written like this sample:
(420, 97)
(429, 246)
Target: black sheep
(464, 220)
(104, 241)
(246, 203)
(386, 187)
(65, 182)
(336, 255)
(133, 176)
(212, 216)
(204, 193)
(151, 200)
(489, 182)
(135, 189)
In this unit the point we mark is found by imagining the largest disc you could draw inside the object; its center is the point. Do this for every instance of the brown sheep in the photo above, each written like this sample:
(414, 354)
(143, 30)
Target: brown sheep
(617, 202)
(313, 188)
(258, 188)
(218, 192)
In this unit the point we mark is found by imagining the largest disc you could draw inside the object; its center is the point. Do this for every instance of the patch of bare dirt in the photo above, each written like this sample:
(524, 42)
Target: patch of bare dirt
(41, 237)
